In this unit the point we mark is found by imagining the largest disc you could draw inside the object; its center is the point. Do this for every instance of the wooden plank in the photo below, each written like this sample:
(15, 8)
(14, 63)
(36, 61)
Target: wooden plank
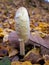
(42, 41)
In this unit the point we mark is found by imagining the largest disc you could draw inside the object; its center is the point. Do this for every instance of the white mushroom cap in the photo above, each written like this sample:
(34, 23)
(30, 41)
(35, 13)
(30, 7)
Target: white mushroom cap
(22, 23)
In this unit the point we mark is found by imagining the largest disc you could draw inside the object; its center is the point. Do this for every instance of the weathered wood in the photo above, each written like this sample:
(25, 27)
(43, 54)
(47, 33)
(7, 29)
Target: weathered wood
(36, 40)
(41, 41)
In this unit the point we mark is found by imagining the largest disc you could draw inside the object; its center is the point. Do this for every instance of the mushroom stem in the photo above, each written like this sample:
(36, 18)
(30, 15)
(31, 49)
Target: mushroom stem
(22, 48)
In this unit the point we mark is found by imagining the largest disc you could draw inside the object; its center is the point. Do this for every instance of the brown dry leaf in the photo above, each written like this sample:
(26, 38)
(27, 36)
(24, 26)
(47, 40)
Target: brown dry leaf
(16, 63)
(13, 52)
(46, 57)
(44, 26)
(12, 24)
(35, 51)
(8, 30)
(47, 62)
(1, 35)
(32, 26)
(1, 32)
(6, 25)
(27, 63)
(37, 28)
(42, 34)
(32, 56)
(21, 63)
